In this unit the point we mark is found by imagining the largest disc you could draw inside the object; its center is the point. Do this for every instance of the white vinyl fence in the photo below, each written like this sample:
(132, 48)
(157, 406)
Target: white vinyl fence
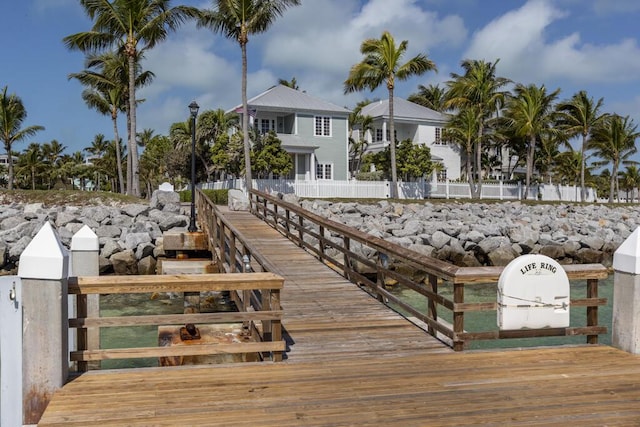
(421, 189)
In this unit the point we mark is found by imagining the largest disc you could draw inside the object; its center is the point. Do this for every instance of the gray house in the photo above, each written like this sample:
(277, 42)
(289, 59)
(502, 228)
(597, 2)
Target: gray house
(314, 132)
(420, 124)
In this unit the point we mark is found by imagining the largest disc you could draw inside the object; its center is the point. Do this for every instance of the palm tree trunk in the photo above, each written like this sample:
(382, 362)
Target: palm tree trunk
(133, 147)
(117, 148)
(129, 174)
(530, 155)
(582, 167)
(392, 146)
(478, 188)
(245, 120)
(468, 167)
(10, 164)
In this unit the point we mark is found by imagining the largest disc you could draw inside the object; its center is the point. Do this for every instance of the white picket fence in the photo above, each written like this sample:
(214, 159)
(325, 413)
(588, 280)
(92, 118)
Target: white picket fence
(421, 189)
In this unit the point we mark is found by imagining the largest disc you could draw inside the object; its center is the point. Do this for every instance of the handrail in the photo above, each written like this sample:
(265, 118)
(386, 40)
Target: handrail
(322, 236)
(262, 286)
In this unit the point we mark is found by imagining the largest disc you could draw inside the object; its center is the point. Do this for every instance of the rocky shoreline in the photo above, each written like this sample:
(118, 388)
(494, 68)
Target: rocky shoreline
(463, 233)
(130, 235)
(486, 234)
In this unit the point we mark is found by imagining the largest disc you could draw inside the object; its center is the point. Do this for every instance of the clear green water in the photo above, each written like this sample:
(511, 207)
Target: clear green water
(483, 321)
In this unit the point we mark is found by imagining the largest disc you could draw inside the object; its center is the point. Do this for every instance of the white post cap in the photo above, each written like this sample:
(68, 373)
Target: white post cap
(627, 258)
(45, 257)
(85, 240)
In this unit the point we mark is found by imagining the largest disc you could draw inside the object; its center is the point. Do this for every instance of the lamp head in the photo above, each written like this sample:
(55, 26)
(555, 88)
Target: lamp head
(193, 108)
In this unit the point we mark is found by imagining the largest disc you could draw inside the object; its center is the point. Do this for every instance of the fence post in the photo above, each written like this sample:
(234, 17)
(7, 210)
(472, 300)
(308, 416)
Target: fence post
(10, 351)
(43, 269)
(625, 333)
(84, 262)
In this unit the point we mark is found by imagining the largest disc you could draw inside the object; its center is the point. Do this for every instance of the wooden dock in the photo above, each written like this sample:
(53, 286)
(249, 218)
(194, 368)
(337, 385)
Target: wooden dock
(352, 361)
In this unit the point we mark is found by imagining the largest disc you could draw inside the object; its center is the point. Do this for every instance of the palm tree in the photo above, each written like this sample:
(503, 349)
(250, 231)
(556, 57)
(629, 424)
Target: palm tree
(236, 19)
(107, 79)
(614, 141)
(548, 152)
(133, 27)
(630, 180)
(478, 87)
(52, 153)
(381, 64)
(211, 125)
(293, 83)
(30, 163)
(462, 130)
(12, 114)
(579, 116)
(432, 96)
(530, 114)
(567, 166)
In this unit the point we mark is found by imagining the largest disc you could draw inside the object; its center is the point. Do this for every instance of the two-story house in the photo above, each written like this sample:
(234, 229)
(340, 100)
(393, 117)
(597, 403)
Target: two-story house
(412, 121)
(313, 131)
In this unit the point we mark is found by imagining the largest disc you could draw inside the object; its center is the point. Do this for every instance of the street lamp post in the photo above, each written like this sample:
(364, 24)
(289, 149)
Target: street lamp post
(193, 109)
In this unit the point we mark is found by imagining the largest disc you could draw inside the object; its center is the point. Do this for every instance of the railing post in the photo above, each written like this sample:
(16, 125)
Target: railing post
(625, 333)
(44, 271)
(458, 316)
(84, 262)
(432, 307)
(592, 311)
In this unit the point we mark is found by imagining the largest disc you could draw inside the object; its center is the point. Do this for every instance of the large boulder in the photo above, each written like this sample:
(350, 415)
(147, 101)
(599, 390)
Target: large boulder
(238, 201)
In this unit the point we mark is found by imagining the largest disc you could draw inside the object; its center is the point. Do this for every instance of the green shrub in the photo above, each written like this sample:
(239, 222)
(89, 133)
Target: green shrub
(218, 197)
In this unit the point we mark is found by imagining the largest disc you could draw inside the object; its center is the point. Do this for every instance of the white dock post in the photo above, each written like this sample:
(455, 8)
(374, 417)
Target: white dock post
(625, 333)
(44, 271)
(10, 351)
(85, 247)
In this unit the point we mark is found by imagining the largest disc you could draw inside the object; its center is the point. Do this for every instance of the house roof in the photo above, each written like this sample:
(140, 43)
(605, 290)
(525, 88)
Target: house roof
(283, 98)
(403, 110)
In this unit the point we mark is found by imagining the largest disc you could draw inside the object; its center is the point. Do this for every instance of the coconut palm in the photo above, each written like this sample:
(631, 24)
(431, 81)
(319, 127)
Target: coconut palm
(52, 153)
(381, 64)
(293, 83)
(579, 116)
(107, 79)
(530, 114)
(432, 96)
(132, 26)
(567, 166)
(462, 130)
(481, 88)
(237, 19)
(614, 141)
(30, 164)
(12, 115)
(630, 180)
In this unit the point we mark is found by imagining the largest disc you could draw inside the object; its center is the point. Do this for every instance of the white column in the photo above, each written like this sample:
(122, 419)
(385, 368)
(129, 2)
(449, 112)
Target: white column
(625, 333)
(85, 248)
(10, 351)
(43, 269)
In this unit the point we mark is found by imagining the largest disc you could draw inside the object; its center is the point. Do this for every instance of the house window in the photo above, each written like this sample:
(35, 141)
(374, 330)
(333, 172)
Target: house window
(322, 126)
(378, 135)
(266, 125)
(324, 171)
(395, 134)
(442, 175)
(439, 140)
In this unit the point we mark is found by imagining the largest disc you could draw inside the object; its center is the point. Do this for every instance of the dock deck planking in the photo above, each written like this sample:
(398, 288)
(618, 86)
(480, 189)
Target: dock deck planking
(352, 361)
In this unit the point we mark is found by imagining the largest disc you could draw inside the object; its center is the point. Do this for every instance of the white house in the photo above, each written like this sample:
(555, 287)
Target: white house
(313, 131)
(420, 124)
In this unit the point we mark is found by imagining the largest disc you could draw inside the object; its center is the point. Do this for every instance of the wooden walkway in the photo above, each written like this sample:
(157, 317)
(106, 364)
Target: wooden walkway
(351, 361)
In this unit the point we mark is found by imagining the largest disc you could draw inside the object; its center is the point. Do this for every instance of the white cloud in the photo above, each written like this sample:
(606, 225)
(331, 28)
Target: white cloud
(520, 39)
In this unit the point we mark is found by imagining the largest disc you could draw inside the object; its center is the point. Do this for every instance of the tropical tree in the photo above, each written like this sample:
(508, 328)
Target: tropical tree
(154, 161)
(107, 80)
(293, 83)
(462, 131)
(357, 146)
(630, 180)
(478, 87)
(414, 160)
(530, 114)
(52, 154)
(567, 166)
(237, 19)
(132, 27)
(382, 64)
(12, 115)
(30, 164)
(579, 116)
(547, 152)
(432, 96)
(211, 125)
(614, 141)
(269, 157)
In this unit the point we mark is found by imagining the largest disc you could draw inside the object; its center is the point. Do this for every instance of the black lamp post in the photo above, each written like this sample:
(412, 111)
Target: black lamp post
(193, 109)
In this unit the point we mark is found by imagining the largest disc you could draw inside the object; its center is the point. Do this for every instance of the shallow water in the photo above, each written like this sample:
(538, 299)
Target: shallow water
(487, 320)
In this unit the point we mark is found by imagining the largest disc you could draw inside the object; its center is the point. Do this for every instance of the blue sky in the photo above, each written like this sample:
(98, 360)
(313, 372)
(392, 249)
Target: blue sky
(566, 44)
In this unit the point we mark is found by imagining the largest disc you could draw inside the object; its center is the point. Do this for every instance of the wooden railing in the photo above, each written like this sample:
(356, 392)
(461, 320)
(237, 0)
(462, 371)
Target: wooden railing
(343, 249)
(265, 337)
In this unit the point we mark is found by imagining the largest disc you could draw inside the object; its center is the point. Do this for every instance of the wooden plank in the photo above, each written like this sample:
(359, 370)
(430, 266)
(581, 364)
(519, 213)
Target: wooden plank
(173, 283)
(192, 350)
